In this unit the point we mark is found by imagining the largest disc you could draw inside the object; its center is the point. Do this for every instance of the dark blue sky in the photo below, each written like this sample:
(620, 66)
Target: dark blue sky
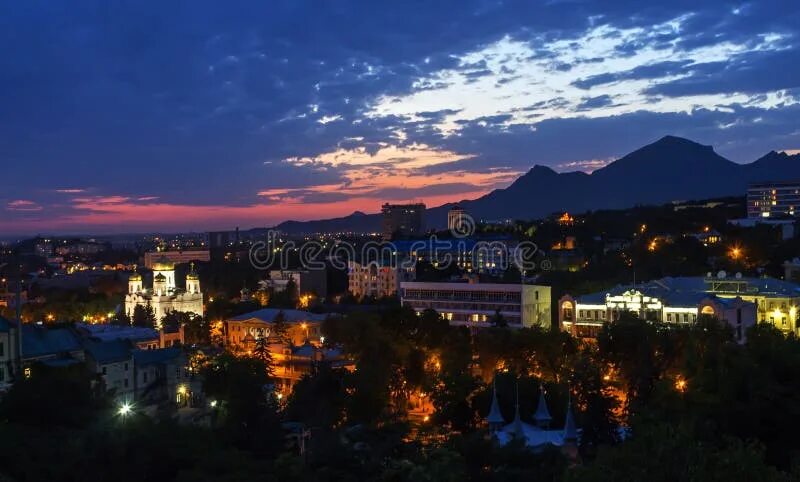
(131, 116)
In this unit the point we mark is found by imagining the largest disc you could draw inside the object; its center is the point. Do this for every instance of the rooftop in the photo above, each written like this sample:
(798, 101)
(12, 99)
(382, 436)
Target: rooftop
(268, 315)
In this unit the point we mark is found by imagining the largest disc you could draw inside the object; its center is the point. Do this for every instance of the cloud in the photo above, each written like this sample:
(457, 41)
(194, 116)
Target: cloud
(23, 205)
(194, 107)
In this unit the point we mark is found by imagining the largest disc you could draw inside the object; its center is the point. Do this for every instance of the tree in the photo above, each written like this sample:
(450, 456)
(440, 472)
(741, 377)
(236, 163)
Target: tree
(261, 351)
(281, 328)
(143, 316)
(249, 412)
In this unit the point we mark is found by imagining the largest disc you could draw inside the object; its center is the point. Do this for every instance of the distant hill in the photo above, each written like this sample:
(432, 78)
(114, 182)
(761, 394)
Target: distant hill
(669, 169)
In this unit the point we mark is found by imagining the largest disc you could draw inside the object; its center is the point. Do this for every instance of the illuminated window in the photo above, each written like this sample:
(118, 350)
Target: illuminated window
(27, 372)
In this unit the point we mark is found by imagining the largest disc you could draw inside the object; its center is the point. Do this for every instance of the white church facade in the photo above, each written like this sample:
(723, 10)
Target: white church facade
(164, 296)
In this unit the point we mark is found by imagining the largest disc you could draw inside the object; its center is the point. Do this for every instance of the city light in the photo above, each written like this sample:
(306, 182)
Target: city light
(735, 253)
(124, 409)
(680, 385)
(213, 404)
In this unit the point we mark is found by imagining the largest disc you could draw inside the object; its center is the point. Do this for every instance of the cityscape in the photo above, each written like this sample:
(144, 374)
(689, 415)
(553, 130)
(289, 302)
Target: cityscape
(445, 241)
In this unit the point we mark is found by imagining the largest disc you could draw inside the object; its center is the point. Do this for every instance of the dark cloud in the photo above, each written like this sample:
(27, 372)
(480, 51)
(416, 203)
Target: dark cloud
(186, 101)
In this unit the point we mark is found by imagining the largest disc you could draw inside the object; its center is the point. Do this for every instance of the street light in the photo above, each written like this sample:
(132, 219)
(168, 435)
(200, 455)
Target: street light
(125, 409)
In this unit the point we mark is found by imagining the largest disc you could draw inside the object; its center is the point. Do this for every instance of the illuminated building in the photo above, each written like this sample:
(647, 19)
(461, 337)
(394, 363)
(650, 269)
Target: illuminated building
(164, 296)
(403, 220)
(477, 304)
(306, 281)
(537, 435)
(773, 199)
(737, 300)
(458, 220)
(373, 279)
(294, 352)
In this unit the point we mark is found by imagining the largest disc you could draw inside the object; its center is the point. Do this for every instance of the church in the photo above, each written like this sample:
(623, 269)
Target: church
(165, 296)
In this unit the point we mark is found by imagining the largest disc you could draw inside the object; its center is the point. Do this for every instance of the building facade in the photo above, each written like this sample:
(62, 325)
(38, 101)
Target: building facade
(739, 301)
(403, 220)
(294, 352)
(164, 296)
(773, 199)
(307, 281)
(478, 304)
(376, 280)
(458, 221)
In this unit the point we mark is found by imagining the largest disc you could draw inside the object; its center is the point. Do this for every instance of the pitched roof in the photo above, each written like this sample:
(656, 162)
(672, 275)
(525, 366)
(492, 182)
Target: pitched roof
(109, 351)
(38, 341)
(268, 315)
(162, 355)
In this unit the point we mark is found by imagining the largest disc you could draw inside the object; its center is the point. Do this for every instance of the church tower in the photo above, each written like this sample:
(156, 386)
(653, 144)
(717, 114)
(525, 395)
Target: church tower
(135, 283)
(192, 282)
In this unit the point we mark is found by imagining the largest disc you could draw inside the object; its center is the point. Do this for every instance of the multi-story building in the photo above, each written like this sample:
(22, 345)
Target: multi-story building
(374, 279)
(779, 199)
(458, 221)
(164, 296)
(175, 257)
(112, 361)
(478, 304)
(490, 255)
(306, 281)
(737, 300)
(403, 220)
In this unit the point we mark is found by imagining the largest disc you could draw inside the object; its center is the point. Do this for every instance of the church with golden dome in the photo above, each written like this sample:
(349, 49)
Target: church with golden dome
(164, 296)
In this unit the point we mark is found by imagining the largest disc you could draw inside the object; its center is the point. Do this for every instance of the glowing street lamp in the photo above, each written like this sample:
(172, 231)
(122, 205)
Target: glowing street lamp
(735, 253)
(681, 385)
(124, 410)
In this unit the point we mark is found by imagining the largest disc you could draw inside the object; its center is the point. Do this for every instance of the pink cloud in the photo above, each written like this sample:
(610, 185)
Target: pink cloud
(23, 205)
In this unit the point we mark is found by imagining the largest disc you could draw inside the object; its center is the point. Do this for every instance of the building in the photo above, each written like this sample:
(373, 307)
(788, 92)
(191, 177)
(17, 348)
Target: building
(477, 304)
(537, 435)
(485, 256)
(307, 281)
(773, 199)
(739, 301)
(164, 375)
(8, 352)
(403, 220)
(141, 337)
(176, 257)
(294, 352)
(112, 361)
(374, 279)
(458, 221)
(164, 296)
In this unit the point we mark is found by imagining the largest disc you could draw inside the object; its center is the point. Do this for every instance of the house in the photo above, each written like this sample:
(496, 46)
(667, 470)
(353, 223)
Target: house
(113, 362)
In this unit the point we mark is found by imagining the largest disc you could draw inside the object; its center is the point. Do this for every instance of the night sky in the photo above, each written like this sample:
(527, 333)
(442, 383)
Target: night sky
(131, 116)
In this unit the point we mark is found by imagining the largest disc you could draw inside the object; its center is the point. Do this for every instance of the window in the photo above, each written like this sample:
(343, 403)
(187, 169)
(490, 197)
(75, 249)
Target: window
(2, 374)
(27, 372)
(125, 383)
(126, 367)
(104, 370)
(2, 349)
(144, 377)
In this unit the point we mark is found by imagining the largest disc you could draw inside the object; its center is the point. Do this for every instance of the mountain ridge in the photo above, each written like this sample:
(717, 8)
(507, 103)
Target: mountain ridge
(669, 169)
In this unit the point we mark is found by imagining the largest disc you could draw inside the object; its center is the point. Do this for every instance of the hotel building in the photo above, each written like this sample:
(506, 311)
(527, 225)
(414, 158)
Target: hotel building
(737, 300)
(403, 220)
(476, 304)
(375, 279)
(773, 199)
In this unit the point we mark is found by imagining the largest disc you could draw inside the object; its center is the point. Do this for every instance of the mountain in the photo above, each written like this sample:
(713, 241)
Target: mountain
(669, 169)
